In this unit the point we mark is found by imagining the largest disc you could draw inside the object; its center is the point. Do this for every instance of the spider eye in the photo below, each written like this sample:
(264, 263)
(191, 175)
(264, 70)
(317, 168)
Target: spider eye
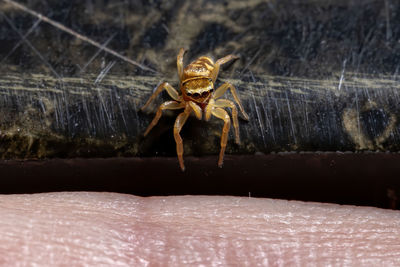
(204, 94)
(211, 90)
(196, 94)
(189, 94)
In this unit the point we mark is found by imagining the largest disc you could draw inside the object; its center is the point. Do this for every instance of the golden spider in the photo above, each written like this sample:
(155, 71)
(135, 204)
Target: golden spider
(198, 96)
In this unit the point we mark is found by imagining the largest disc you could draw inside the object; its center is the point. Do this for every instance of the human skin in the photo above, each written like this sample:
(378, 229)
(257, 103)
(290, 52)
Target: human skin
(112, 229)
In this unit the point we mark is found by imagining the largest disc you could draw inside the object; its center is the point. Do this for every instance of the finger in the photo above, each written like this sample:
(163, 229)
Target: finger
(113, 229)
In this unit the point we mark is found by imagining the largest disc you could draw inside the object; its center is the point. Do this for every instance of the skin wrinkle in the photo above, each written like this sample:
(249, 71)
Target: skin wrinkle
(114, 229)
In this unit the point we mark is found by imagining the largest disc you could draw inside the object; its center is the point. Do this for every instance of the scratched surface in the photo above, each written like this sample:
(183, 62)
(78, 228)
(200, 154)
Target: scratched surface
(318, 76)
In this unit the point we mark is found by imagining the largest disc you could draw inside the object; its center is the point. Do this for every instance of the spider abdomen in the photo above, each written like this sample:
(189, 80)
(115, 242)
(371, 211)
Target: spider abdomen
(201, 67)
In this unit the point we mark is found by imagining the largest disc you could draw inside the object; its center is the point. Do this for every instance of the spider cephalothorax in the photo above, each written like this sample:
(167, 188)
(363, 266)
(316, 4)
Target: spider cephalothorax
(198, 96)
(198, 90)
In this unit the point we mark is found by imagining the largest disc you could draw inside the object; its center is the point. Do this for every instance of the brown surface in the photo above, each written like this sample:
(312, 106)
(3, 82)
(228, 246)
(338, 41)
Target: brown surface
(364, 179)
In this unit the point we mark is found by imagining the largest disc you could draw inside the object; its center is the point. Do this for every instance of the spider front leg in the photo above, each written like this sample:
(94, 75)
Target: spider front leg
(223, 115)
(222, 89)
(225, 103)
(170, 90)
(163, 106)
(180, 121)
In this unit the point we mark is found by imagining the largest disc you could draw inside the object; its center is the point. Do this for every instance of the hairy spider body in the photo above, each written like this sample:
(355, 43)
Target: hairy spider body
(198, 96)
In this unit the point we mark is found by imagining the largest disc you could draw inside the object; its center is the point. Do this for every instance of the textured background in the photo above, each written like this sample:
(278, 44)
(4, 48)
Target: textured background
(313, 76)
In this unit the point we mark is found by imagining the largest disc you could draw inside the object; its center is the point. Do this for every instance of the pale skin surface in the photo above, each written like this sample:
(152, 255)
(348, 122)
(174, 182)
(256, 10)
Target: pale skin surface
(97, 229)
(214, 107)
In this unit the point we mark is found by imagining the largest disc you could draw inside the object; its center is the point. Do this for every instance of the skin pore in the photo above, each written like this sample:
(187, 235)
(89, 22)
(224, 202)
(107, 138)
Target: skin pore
(82, 228)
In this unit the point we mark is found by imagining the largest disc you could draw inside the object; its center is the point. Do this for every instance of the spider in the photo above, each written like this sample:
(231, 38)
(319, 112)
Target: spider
(198, 96)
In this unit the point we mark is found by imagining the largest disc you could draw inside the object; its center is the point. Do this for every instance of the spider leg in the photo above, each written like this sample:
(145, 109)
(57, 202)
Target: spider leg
(225, 103)
(163, 106)
(179, 62)
(180, 121)
(210, 106)
(219, 62)
(223, 115)
(222, 89)
(170, 90)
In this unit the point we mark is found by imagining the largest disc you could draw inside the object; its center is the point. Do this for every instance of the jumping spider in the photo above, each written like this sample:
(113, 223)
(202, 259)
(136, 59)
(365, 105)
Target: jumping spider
(198, 96)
